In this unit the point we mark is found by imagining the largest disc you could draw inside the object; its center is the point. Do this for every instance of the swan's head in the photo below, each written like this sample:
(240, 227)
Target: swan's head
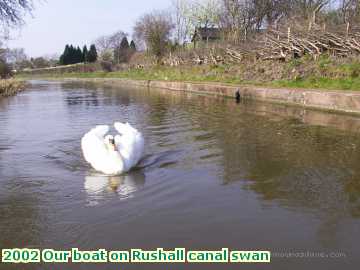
(110, 142)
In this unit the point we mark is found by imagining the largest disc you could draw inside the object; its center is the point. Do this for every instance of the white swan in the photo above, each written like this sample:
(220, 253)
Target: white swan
(113, 155)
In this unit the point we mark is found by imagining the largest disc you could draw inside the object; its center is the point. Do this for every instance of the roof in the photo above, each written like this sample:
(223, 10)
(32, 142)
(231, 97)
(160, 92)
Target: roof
(205, 33)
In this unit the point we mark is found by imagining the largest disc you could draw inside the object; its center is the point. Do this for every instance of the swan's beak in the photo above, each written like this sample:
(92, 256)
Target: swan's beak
(112, 145)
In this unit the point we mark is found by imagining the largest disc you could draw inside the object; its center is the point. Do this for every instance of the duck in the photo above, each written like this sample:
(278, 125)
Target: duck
(113, 155)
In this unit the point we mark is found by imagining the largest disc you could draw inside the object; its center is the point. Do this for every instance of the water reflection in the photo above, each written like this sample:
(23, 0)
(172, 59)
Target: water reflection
(99, 187)
(277, 177)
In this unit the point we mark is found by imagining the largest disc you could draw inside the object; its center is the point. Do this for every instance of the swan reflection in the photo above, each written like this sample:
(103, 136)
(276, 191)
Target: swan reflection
(99, 187)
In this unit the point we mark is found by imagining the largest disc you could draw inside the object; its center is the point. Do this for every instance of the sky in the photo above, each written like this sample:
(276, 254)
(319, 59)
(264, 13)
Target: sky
(55, 23)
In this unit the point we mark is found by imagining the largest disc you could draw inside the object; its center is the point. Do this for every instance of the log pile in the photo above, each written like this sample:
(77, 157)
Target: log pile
(282, 45)
(277, 45)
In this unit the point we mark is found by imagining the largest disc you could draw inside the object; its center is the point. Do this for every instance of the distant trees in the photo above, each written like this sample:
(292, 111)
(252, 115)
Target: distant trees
(115, 47)
(92, 54)
(132, 46)
(155, 30)
(40, 62)
(350, 10)
(5, 68)
(240, 18)
(11, 14)
(74, 55)
(123, 52)
(107, 44)
(84, 54)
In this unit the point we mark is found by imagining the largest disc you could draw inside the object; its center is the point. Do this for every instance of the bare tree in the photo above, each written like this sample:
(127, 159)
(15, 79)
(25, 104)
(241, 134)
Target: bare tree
(12, 11)
(308, 8)
(350, 10)
(109, 42)
(181, 21)
(154, 29)
(204, 13)
(11, 15)
(15, 55)
(238, 18)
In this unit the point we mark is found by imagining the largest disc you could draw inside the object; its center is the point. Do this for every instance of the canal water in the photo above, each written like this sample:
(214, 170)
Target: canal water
(247, 176)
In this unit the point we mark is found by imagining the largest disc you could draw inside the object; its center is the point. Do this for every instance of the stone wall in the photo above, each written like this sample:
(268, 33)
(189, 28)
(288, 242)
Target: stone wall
(341, 101)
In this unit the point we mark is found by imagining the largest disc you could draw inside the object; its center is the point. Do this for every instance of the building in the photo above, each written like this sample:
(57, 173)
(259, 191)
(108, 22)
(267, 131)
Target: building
(206, 34)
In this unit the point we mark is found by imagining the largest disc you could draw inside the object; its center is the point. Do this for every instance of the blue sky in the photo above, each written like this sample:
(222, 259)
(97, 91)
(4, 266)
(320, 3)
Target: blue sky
(58, 22)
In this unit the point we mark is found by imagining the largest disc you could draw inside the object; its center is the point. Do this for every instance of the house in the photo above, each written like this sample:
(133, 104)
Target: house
(206, 34)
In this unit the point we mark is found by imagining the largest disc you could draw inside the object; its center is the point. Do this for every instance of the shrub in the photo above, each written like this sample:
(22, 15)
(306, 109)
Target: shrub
(5, 69)
(106, 66)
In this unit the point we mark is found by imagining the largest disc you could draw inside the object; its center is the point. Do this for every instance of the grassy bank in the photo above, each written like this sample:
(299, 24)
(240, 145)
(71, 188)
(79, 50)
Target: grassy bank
(324, 73)
(10, 87)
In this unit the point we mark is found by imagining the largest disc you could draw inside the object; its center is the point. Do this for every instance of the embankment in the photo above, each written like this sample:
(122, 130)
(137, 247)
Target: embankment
(10, 87)
(340, 101)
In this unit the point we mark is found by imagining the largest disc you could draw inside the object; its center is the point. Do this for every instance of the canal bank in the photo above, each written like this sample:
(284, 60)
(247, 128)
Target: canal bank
(330, 100)
(9, 87)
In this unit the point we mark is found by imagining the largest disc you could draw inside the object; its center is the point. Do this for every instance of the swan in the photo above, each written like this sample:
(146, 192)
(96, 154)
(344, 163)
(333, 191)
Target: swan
(113, 155)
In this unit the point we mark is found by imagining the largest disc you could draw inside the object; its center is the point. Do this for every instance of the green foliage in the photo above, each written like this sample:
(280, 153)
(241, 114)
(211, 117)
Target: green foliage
(295, 62)
(73, 55)
(155, 30)
(92, 54)
(321, 83)
(123, 51)
(84, 54)
(5, 69)
(133, 46)
(351, 69)
(324, 62)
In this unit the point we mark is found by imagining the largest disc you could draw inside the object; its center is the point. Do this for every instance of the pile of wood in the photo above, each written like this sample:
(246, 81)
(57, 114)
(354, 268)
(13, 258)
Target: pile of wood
(284, 45)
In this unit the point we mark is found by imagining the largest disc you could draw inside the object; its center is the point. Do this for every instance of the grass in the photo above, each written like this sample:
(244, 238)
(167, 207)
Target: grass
(321, 83)
(331, 76)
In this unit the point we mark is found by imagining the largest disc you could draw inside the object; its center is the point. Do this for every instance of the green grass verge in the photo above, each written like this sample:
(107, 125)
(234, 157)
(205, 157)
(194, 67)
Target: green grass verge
(218, 74)
(321, 83)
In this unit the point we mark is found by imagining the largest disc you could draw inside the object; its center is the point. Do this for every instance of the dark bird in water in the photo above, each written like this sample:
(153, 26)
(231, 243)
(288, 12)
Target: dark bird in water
(238, 96)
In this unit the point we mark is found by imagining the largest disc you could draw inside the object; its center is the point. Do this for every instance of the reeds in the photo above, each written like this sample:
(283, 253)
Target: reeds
(10, 87)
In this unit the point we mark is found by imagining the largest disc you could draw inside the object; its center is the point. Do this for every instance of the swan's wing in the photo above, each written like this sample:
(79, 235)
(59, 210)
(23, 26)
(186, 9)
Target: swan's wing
(100, 131)
(130, 144)
(93, 145)
(124, 129)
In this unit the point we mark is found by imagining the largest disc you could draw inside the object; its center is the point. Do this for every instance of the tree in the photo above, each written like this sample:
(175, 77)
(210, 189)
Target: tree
(65, 57)
(79, 55)
(84, 54)
(308, 9)
(40, 62)
(155, 30)
(72, 55)
(5, 68)
(107, 55)
(133, 46)
(12, 11)
(109, 42)
(238, 17)
(350, 10)
(92, 55)
(182, 21)
(122, 53)
(204, 13)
